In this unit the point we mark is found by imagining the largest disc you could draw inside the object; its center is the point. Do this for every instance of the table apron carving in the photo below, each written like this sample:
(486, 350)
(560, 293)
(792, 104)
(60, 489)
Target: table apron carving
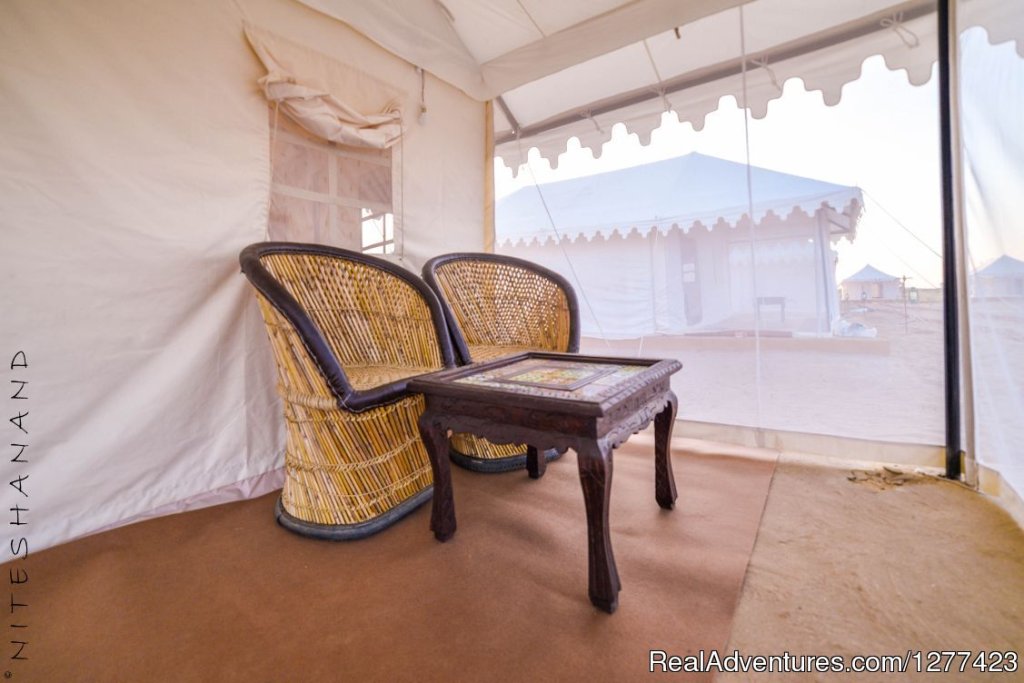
(616, 429)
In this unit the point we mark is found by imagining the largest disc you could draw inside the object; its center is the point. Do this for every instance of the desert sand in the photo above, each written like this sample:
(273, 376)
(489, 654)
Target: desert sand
(878, 563)
(888, 388)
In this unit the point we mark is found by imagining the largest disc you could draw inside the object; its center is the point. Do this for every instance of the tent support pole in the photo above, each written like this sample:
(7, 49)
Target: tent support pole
(488, 220)
(950, 264)
(826, 282)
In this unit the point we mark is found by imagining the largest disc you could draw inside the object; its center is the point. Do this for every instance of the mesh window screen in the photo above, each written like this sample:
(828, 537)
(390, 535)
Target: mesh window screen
(789, 261)
(330, 194)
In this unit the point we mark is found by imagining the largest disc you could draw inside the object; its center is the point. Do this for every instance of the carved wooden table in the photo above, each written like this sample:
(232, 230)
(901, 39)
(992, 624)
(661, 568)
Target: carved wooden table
(590, 404)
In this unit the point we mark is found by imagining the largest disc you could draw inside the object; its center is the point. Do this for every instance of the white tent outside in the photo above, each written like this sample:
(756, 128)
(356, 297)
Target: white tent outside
(134, 170)
(1004, 277)
(673, 229)
(871, 283)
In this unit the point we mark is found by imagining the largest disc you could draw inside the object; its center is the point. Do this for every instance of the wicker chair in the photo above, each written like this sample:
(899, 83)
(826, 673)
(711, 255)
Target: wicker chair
(348, 331)
(499, 305)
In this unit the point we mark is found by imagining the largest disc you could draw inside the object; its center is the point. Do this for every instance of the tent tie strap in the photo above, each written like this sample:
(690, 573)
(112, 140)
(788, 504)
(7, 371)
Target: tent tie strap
(762, 63)
(895, 22)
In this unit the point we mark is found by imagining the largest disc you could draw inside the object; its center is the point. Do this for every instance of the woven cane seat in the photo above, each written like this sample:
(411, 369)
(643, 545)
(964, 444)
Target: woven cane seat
(347, 332)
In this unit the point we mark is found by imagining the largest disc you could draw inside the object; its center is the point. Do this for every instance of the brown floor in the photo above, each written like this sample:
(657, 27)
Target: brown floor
(876, 565)
(223, 594)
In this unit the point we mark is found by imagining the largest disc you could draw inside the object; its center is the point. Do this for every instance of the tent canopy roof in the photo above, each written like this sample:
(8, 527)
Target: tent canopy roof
(1004, 266)
(682, 192)
(574, 68)
(870, 274)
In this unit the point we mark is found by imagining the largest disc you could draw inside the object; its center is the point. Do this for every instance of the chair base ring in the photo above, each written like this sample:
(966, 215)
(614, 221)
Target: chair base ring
(497, 465)
(350, 532)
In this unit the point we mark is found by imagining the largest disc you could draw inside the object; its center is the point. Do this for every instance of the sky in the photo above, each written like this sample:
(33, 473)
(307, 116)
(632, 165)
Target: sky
(882, 137)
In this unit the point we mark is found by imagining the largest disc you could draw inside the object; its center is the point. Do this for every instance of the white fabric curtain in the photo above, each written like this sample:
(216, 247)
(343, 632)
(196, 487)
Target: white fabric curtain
(992, 109)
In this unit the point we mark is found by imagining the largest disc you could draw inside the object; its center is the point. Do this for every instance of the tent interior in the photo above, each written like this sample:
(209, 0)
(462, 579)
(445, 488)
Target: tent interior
(705, 174)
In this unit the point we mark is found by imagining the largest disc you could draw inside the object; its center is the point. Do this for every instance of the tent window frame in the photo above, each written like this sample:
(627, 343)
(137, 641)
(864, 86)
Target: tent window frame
(354, 188)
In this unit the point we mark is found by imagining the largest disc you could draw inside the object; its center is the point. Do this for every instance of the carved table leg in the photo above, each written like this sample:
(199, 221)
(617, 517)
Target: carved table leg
(664, 480)
(536, 462)
(435, 438)
(595, 467)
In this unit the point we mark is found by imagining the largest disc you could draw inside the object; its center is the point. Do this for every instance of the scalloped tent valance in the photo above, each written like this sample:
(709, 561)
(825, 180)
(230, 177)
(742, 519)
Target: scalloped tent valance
(577, 67)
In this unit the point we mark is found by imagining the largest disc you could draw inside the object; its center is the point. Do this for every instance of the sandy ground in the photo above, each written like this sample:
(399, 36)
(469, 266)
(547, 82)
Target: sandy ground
(886, 389)
(880, 564)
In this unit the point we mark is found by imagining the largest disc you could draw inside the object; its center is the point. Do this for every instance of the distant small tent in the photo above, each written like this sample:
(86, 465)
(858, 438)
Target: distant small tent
(1002, 278)
(871, 283)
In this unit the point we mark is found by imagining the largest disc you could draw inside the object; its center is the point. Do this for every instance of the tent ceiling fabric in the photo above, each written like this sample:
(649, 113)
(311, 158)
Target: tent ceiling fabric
(488, 47)
(577, 67)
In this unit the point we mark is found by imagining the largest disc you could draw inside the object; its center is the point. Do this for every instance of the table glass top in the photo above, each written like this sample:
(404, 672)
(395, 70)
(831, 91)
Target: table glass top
(572, 380)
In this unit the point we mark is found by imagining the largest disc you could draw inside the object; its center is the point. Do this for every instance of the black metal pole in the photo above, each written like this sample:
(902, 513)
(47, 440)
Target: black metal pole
(950, 302)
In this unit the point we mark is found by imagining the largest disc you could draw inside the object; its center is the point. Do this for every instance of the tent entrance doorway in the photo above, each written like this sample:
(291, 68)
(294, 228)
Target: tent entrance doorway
(691, 283)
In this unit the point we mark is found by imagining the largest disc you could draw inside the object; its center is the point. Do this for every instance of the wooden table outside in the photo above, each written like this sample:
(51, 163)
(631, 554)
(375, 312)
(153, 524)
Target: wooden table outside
(590, 404)
(779, 301)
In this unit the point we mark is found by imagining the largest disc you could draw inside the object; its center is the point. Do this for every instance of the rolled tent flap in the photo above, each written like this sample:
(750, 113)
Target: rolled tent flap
(323, 115)
(320, 111)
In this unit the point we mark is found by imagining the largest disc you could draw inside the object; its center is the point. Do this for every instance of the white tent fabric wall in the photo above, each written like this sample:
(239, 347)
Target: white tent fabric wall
(133, 171)
(992, 93)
